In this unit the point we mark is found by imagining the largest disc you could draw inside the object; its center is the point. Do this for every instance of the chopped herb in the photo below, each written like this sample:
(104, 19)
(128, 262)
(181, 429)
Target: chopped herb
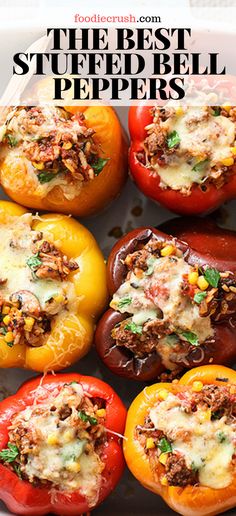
(34, 262)
(10, 344)
(173, 139)
(198, 298)
(172, 339)
(3, 330)
(164, 446)
(17, 470)
(191, 337)
(125, 301)
(216, 111)
(150, 263)
(199, 167)
(216, 415)
(9, 454)
(134, 328)
(86, 418)
(99, 165)
(45, 177)
(222, 438)
(11, 140)
(212, 276)
(194, 467)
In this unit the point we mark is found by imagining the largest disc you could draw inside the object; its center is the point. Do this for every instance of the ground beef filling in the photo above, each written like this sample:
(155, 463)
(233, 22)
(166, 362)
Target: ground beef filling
(187, 433)
(55, 142)
(22, 317)
(168, 304)
(199, 142)
(57, 442)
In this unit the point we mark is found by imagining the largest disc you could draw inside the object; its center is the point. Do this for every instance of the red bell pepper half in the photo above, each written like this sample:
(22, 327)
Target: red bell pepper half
(21, 496)
(201, 198)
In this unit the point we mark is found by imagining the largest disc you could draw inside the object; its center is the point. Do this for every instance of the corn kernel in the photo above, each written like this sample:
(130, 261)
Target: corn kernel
(227, 162)
(233, 150)
(29, 323)
(39, 165)
(73, 467)
(52, 439)
(202, 283)
(163, 458)
(167, 250)
(68, 435)
(164, 481)
(9, 337)
(162, 394)
(179, 110)
(204, 415)
(101, 412)
(59, 298)
(193, 278)
(226, 107)
(6, 319)
(6, 310)
(150, 443)
(197, 386)
(67, 145)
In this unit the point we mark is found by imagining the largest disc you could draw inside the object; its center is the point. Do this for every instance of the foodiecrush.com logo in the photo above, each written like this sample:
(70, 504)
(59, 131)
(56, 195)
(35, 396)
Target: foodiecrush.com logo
(129, 18)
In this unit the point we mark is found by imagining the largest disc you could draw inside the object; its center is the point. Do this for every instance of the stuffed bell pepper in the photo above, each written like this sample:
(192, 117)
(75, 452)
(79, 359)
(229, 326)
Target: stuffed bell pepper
(71, 160)
(180, 441)
(59, 448)
(173, 303)
(48, 303)
(184, 157)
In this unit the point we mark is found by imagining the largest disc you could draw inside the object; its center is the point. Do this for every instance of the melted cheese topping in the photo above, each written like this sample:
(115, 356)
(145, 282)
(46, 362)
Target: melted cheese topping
(202, 136)
(15, 249)
(198, 440)
(167, 301)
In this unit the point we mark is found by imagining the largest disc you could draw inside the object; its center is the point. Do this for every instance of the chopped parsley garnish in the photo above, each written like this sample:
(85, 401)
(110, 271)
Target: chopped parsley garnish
(194, 467)
(164, 445)
(125, 301)
(191, 337)
(222, 438)
(86, 418)
(134, 328)
(216, 111)
(10, 344)
(11, 140)
(10, 453)
(34, 262)
(99, 165)
(173, 139)
(198, 298)
(212, 276)
(199, 167)
(150, 263)
(17, 470)
(45, 177)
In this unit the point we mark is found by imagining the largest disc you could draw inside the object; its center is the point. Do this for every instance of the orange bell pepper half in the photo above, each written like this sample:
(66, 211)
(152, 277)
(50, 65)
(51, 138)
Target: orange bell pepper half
(188, 500)
(45, 170)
